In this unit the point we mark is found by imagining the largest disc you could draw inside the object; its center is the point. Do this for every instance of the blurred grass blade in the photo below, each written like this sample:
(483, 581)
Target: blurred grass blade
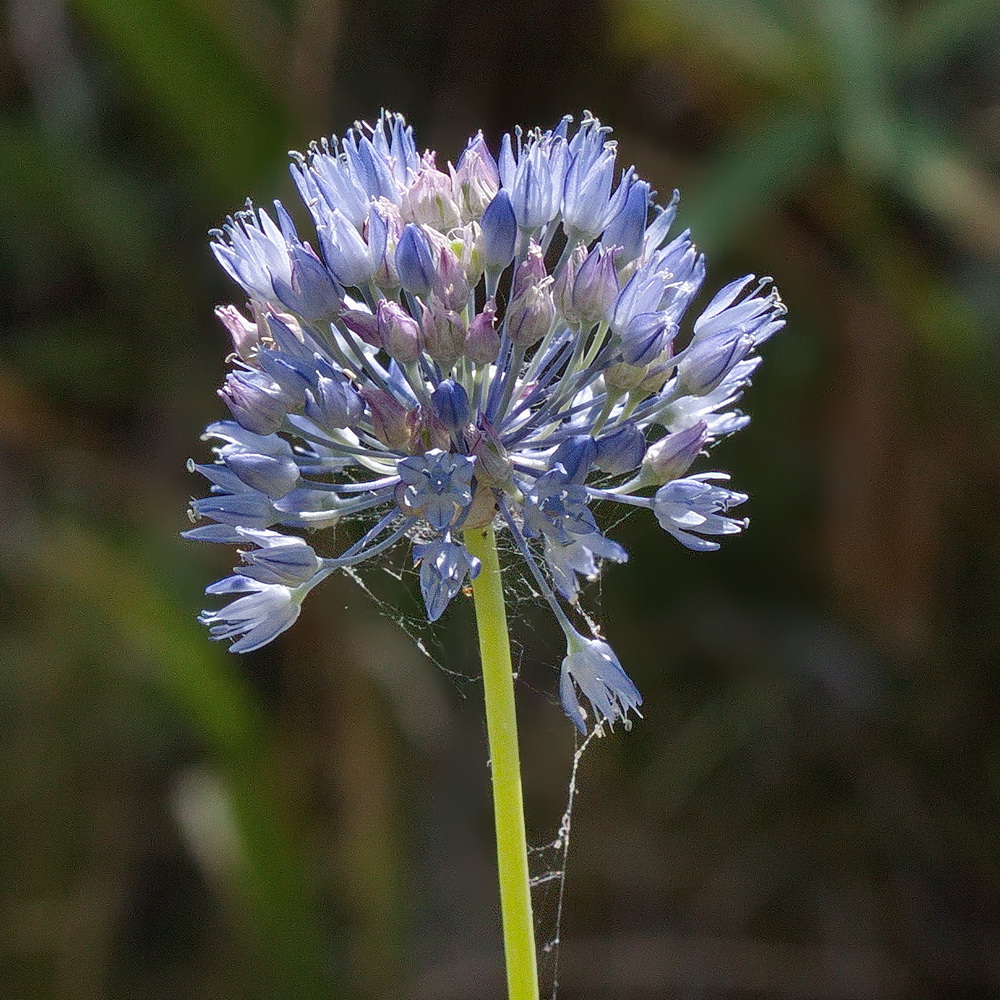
(899, 266)
(87, 202)
(943, 178)
(741, 33)
(765, 163)
(854, 39)
(936, 30)
(194, 81)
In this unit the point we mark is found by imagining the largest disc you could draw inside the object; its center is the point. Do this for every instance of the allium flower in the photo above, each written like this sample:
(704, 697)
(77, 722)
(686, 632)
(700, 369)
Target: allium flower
(499, 342)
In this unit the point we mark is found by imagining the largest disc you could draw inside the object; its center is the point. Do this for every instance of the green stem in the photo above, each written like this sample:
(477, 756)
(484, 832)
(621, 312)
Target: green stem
(508, 805)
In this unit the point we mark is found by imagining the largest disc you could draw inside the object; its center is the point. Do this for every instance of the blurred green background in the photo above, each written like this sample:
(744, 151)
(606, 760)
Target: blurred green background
(809, 808)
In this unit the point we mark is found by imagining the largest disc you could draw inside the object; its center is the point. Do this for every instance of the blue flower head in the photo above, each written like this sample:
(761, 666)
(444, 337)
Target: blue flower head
(500, 342)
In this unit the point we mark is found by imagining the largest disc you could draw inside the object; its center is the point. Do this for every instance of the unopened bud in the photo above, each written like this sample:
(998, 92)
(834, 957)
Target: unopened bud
(388, 418)
(482, 343)
(627, 228)
(414, 261)
(465, 245)
(622, 450)
(709, 361)
(253, 405)
(444, 332)
(596, 288)
(429, 200)
(530, 315)
(622, 377)
(475, 180)
(670, 457)
(450, 284)
(398, 332)
(531, 270)
(282, 559)
(565, 280)
(363, 325)
(384, 228)
(291, 375)
(313, 293)
(532, 307)
(656, 376)
(451, 404)
(576, 455)
(273, 475)
(499, 233)
(645, 337)
(333, 403)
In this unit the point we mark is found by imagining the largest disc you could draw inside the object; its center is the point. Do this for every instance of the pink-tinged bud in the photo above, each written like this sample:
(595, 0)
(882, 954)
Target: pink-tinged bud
(482, 344)
(476, 180)
(388, 418)
(256, 404)
(532, 307)
(530, 314)
(429, 201)
(531, 270)
(398, 332)
(670, 457)
(587, 286)
(464, 245)
(243, 332)
(363, 325)
(450, 284)
(444, 332)
(425, 431)
(565, 281)
(382, 231)
(596, 289)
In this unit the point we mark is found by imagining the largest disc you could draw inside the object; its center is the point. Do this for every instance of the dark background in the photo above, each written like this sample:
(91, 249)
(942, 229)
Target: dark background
(808, 809)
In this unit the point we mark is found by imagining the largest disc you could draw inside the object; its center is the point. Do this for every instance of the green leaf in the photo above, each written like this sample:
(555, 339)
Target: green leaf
(193, 80)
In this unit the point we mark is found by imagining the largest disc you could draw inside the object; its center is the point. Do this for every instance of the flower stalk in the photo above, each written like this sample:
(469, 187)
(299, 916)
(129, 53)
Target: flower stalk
(508, 803)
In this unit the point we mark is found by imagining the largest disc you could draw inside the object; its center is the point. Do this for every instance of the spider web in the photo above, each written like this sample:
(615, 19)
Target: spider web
(548, 887)
(548, 863)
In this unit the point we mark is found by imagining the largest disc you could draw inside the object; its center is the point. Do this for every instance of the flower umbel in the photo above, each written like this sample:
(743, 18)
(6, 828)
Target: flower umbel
(500, 342)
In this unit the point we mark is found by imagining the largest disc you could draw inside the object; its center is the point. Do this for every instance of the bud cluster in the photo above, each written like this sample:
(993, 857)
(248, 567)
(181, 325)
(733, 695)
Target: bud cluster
(500, 341)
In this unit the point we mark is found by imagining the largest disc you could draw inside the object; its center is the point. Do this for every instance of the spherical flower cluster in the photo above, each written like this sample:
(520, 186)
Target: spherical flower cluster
(498, 342)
